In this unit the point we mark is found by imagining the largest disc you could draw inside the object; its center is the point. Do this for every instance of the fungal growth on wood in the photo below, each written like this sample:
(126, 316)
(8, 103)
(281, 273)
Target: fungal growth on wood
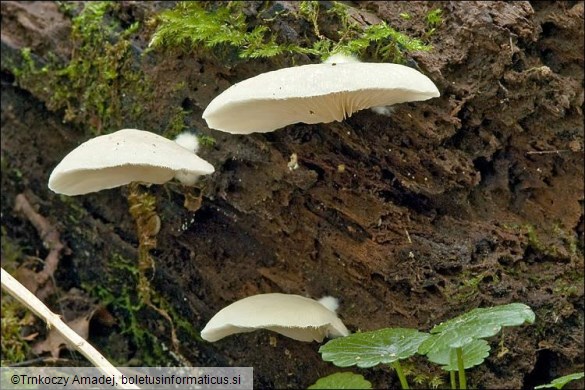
(294, 316)
(317, 93)
(122, 157)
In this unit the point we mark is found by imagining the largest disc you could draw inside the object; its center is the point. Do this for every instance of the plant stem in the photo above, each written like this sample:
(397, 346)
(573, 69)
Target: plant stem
(403, 383)
(452, 378)
(462, 380)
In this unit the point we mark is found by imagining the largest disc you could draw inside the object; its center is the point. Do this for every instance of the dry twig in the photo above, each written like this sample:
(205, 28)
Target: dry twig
(28, 299)
(51, 240)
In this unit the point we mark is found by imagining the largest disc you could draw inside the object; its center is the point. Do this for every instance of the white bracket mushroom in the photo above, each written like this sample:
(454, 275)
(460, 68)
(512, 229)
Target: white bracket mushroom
(294, 316)
(122, 157)
(317, 93)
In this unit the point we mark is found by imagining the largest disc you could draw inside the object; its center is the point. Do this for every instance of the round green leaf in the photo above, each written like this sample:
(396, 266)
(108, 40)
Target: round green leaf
(474, 354)
(342, 380)
(475, 324)
(369, 349)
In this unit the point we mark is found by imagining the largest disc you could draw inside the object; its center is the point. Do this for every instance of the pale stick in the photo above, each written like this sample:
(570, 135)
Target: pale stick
(28, 299)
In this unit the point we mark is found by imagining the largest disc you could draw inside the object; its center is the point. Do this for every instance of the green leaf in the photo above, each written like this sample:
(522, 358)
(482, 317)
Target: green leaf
(474, 354)
(562, 381)
(476, 324)
(342, 380)
(369, 349)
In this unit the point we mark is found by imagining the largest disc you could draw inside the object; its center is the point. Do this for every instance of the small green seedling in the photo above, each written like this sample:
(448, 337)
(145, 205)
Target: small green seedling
(342, 380)
(457, 344)
(462, 330)
(559, 383)
(368, 349)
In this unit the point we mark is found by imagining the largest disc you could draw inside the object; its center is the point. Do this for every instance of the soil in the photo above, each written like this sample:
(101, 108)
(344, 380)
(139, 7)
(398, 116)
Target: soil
(469, 200)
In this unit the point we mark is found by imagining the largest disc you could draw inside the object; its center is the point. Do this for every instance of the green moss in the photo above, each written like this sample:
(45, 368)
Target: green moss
(533, 240)
(223, 29)
(561, 287)
(11, 251)
(422, 375)
(433, 381)
(384, 43)
(176, 124)
(206, 141)
(378, 42)
(14, 318)
(13, 174)
(14, 315)
(569, 239)
(434, 18)
(121, 295)
(552, 240)
(130, 313)
(468, 287)
(92, 87)
(100, 87)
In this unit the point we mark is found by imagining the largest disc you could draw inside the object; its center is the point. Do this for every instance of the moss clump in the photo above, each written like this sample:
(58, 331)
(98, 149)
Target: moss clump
(206, 141)
(434, 18)
(93, 87)
(468, 286)
(383, 42)
(225, 30)
(176, 123)
(14, 318)
(125, 301)
(551, 240)
(220, 27)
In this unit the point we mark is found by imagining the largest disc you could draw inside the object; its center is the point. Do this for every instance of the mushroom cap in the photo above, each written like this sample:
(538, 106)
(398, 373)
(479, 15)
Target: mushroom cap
(122, 157)
(294, 316)
(317, 93)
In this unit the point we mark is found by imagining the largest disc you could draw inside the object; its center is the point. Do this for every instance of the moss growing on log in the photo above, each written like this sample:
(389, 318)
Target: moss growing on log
(224, 30)
(94, 87)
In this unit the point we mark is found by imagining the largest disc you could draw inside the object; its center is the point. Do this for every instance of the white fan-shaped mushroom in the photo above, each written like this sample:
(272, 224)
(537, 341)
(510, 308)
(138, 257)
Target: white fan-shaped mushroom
(122, 157)
(317, 93)
(294, 316)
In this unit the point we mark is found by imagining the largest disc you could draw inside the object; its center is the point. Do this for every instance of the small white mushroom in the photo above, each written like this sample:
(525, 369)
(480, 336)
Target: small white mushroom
(122, 157)
(294, 316)
(317, 93)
